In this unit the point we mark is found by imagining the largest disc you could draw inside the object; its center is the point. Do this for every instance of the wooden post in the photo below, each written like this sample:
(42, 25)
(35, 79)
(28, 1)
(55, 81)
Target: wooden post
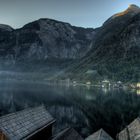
(2, 136)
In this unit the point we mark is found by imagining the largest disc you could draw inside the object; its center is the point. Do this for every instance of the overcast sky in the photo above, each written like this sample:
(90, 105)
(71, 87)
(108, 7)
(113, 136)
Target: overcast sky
(86, 13)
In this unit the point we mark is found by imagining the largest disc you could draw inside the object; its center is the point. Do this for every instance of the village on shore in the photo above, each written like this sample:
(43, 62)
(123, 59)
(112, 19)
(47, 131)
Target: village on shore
(102, 84)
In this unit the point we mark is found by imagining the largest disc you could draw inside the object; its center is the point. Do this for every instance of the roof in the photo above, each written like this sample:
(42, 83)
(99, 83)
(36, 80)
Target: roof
(99, 135)
(25, 123)
(131, 132)
(68, 134)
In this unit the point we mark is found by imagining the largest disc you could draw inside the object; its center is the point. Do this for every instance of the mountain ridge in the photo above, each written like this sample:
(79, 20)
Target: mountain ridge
(115, 52)
(111, 51)
(48, 33)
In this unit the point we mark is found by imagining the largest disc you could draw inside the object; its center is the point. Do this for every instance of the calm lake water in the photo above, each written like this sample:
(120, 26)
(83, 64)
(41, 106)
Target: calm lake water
(83, 108)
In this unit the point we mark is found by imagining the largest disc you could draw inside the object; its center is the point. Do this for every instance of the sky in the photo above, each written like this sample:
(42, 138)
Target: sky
(84, 13)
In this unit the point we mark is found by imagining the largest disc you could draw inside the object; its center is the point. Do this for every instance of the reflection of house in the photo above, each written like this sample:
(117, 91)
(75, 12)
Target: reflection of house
(138, 85)
(131, 132)
(74, 82)
(32, 123)
(138, 91)
(68, 134)
(119, 84)
(99, 135)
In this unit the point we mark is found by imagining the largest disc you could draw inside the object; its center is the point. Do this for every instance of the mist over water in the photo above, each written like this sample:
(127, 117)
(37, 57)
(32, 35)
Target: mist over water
(84, 108)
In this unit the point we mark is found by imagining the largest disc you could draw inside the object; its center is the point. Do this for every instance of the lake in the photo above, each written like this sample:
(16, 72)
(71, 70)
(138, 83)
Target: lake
(86, 109)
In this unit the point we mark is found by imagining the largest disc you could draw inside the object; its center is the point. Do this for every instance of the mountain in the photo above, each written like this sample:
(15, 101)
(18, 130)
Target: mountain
(109, 52)
(43, 40)
(115, 51)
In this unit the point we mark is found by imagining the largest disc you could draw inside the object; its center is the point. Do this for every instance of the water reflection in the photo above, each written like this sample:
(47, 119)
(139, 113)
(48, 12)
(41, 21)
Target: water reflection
(138, 91)
(85, 109)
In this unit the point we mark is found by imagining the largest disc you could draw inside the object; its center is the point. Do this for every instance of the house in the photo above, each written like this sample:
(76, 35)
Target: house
(68, 134)
(99, 135)
(88, 83)
(29, 124)
(135, 85)
(131, 132)
(106, 83)
(90, 71)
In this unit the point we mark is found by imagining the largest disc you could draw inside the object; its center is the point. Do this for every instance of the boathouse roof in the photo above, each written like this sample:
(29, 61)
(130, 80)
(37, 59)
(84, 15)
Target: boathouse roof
(99, 135)
(131, 132)
(23, 124)
(68, 134)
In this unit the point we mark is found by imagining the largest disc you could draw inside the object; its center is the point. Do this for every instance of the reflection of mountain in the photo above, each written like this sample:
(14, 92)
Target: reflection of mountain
(60, 102)
(8, 102)
(69, 116)
(87, 110)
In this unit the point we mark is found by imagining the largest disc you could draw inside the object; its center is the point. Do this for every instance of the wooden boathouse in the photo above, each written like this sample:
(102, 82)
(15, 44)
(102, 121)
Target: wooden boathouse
(68, 134)
(29, 124)
(131, 132)
(99, 135)
(36, 124)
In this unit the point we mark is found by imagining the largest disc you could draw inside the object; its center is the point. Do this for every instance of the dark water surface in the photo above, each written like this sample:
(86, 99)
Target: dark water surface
(86, 109)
